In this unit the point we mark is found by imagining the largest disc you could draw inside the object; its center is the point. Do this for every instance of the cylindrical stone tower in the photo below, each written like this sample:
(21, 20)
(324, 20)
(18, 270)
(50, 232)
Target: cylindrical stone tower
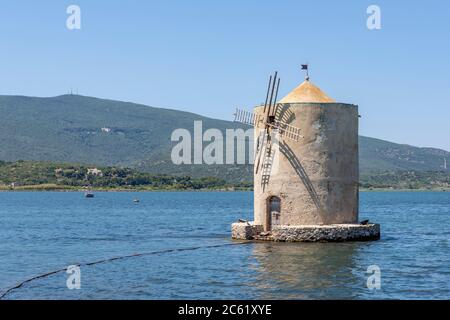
(312, 181)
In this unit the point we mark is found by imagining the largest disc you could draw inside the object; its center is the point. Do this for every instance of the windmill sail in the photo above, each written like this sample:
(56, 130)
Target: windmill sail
(245, 117)
(272, 122)
(252, 119)
(287, 131)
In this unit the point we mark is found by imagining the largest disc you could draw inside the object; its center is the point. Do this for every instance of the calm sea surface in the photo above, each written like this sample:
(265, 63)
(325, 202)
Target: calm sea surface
(41, 232)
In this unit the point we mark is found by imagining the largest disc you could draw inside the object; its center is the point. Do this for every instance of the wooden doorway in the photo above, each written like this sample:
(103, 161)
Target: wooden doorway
(273, 212)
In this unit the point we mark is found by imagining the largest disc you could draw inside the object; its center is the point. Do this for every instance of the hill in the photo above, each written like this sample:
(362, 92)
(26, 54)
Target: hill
(87, 130)
(73, 128)
(379, 155)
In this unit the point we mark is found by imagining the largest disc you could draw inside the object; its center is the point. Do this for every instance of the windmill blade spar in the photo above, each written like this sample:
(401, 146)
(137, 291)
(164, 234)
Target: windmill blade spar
(267, 94)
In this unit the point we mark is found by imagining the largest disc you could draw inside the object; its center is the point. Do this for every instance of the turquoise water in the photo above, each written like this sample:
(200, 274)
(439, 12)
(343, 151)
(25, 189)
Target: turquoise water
(41, 232)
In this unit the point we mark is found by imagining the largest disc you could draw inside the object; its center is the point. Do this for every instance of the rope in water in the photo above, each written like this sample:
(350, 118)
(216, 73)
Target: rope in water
(44, 275)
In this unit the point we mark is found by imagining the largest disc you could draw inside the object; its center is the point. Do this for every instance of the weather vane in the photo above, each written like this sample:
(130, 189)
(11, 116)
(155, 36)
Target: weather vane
(305, 67)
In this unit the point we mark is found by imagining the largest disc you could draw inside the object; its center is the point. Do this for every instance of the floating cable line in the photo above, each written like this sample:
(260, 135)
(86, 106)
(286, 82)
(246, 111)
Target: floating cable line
(45, 275)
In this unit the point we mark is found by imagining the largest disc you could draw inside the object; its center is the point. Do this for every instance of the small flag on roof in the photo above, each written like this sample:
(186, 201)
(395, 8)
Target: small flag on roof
(305, 67)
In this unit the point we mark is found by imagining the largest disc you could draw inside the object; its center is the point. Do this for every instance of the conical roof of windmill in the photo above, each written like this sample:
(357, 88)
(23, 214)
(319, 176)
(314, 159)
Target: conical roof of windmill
(306, 92)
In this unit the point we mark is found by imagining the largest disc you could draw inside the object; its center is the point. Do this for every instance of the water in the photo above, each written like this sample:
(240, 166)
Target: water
(41, 232)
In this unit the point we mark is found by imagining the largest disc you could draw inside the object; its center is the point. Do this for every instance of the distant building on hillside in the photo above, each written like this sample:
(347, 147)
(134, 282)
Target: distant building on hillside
(95, 172)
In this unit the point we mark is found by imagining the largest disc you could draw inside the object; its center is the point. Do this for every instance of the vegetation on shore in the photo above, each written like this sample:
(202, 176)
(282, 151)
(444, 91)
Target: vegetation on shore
(45, 176)
(48, 176)
(406, 180)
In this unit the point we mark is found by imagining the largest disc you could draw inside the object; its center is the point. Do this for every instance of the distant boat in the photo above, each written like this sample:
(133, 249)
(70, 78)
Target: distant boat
(89, 194)
(136, 200)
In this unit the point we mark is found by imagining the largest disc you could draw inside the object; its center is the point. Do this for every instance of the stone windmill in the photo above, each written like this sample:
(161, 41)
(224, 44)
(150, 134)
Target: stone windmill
(306, 168)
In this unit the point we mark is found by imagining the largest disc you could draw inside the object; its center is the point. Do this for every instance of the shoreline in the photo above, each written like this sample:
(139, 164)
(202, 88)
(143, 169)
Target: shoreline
(46, 188)
(39, 188)
(405, 190)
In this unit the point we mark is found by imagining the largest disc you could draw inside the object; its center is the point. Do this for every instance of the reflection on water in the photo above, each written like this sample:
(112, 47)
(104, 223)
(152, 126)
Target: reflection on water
(305, 270)
(40, 232)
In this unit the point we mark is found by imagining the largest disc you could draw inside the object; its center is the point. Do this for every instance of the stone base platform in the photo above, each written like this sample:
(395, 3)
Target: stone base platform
(307, 233)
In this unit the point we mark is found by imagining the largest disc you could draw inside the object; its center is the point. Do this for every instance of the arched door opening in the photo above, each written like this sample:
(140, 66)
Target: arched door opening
(273, 212)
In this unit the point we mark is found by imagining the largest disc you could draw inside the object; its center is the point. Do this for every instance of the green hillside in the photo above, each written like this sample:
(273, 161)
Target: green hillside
(68, 129)
(379, 155)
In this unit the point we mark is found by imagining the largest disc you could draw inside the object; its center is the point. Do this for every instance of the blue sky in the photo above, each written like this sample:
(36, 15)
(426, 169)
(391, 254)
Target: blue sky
(209, 57)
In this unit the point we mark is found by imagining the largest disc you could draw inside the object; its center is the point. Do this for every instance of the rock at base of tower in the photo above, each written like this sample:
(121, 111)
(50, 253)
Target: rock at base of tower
(307, 233)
